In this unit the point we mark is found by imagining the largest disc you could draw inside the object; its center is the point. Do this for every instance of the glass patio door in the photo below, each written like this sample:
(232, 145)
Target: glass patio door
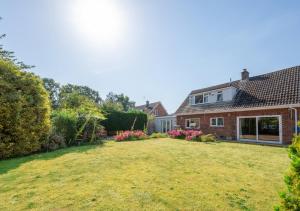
(247, 128)
(259, 128)
(268, 129)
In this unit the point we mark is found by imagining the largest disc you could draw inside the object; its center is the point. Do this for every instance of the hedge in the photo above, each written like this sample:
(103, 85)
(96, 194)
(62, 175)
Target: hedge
(24, 111)
(121, 121)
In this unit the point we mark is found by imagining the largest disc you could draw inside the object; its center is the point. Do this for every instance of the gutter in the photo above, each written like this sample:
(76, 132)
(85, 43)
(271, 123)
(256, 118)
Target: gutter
(296, 119)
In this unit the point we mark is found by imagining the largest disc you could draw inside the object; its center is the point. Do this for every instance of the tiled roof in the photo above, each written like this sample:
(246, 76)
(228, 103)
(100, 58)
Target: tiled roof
(147, 109)
(272, 89)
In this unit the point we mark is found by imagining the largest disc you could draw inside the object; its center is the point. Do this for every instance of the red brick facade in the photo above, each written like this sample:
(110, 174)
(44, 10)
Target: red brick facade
(229, 131)
(160, 111)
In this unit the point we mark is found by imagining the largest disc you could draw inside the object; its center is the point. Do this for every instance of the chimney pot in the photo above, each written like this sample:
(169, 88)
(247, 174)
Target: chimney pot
(147, 103)
(245, 74)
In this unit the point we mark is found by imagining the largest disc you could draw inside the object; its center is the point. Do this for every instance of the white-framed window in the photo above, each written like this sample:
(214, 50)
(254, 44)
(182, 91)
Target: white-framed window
(155, 112)
(217, 122)
(205, 98)
(198, 99)
(219, 96)
(192, 123)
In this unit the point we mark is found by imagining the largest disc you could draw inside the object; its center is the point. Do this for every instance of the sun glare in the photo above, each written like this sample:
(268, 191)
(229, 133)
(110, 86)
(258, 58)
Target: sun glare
(100, 22)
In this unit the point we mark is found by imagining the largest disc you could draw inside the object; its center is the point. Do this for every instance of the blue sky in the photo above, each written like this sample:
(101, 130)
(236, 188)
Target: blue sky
(165, 48)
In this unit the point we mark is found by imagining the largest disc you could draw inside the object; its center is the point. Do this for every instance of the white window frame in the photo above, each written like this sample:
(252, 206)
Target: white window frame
(204, 96)
(216, 118)
(195, 98)
(220, 93)
(192, 99)
(257, 117)
(186, 120)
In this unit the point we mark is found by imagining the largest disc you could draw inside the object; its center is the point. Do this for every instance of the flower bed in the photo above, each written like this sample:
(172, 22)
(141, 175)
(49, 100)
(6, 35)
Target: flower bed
(191, 135)
(129, 135)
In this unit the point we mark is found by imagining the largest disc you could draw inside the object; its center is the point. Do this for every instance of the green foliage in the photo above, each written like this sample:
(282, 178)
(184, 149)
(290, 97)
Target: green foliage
(118, 120)
(291, 198)
(53, 89)
(54, 142)
(121, 100)
(109, 106)
(87, 113)
(159, 135)
(208, 138)
(24, 111)
(64, 123)
(81, 90)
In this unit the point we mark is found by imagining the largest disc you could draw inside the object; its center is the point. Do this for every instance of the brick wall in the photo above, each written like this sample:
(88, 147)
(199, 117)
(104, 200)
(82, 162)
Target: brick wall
(229, 131)
(161, 111)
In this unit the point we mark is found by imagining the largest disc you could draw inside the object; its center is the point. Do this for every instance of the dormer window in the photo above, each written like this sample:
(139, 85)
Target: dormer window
(205, 98)
(198, 99)
(219, 96)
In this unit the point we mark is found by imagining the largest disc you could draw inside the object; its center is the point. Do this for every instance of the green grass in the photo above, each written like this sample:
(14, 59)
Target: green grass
(157, 174)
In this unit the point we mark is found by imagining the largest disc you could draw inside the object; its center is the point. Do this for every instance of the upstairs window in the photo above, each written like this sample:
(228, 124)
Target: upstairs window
(219, 96)
(198, 99)
(217, 122)
(205, 98)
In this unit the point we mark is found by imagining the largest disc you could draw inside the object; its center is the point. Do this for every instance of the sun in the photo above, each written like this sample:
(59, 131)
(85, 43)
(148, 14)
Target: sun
(100, 22)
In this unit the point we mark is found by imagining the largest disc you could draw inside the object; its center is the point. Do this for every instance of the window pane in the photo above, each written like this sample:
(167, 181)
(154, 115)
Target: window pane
(268, 129)
(199, 99)
(195, 123)
(206, 98)
(213, 121)
(187, 123)
(220, 121)
(220, 96)
(248, 128)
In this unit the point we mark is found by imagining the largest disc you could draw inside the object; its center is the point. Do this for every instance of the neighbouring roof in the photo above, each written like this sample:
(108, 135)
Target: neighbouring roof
(149, 108)
(272, 89)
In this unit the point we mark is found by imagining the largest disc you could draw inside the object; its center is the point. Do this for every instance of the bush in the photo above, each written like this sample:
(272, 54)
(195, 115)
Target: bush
(64, 122)
(158, 135)
(179, 134)
(122, 121)
(291, 198)
(193, 135)
(131, 136)
(208, 138)
(24, 111)
(54, 142)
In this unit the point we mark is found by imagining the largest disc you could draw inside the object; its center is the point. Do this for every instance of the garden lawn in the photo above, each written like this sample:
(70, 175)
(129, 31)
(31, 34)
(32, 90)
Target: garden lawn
(157, 174)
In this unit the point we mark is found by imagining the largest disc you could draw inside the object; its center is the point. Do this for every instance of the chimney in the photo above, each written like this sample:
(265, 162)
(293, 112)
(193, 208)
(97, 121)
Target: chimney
(245, 74)
(147, 104)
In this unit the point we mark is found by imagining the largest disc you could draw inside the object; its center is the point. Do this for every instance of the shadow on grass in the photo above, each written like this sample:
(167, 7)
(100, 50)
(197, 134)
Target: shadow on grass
(10, 164)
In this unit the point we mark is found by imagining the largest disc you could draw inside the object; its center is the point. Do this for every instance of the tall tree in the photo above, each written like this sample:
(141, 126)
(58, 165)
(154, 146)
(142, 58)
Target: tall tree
(120, 99)
(82, 90)
(53, 89)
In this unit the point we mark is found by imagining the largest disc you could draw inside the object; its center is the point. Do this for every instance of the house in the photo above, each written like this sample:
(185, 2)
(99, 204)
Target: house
(262, 108)
(163, 122)
(156, 109)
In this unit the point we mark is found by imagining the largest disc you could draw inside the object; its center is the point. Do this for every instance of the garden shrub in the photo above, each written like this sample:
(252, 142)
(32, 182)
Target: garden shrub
(158, 135)
(131, 136)
(178, 134)
(193, 135)
(24, 111)
(291, 198)
(54, 142)
(122, 121)
(208, 138)
(64, 122)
